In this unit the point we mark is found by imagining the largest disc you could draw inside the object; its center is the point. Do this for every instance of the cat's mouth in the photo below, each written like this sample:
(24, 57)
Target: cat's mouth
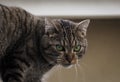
(67, 65)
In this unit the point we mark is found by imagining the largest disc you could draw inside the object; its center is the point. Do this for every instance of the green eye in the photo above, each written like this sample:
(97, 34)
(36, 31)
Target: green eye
(59, 48)
(77, 48)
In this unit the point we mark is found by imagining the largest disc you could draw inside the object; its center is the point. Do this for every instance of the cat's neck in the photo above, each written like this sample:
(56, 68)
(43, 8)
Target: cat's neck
(39, 32)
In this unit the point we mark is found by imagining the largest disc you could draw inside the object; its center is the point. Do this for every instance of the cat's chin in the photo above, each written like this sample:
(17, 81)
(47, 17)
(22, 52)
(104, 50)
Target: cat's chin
(68, 66)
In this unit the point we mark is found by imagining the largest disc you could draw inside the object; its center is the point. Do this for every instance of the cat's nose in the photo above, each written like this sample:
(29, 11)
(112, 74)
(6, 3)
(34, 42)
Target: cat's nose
(70, 59)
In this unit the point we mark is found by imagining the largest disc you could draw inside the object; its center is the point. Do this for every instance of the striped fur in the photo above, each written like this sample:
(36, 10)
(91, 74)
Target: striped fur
(27, 44)
(20, 59)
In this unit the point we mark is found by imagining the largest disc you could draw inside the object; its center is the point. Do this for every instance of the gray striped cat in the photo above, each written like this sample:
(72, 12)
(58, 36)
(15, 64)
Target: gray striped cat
(31, 46)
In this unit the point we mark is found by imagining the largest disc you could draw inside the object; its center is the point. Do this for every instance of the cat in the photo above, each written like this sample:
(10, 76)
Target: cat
(30, 46)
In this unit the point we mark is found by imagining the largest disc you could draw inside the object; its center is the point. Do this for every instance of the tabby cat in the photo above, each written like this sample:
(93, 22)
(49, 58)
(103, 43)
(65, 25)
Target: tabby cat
(30, 45)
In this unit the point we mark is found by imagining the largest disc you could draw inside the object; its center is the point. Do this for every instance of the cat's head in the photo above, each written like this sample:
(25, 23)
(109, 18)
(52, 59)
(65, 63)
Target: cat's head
(64, 41)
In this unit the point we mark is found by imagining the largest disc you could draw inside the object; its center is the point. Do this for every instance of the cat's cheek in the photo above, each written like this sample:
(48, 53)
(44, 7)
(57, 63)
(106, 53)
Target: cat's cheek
(44, 42)
(79, 55)
(50, 59)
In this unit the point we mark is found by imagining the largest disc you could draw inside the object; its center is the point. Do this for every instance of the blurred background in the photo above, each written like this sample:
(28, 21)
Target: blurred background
(101, 63)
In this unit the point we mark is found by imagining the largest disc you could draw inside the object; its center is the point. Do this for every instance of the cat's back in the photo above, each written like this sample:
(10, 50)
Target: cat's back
(13, 24)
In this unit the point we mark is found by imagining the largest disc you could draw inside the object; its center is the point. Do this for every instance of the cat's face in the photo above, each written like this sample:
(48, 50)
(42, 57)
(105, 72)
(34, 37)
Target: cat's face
(64, 41)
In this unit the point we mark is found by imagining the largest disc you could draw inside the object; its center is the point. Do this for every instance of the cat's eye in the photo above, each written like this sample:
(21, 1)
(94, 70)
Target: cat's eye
(77, 48)
(59, 47)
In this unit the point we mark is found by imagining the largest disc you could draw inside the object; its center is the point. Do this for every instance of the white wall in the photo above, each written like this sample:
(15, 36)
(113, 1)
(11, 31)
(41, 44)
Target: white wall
(109, 8)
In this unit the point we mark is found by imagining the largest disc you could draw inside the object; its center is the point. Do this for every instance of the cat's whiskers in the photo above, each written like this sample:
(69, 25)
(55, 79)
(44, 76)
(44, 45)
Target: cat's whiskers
(82, 71)
(59, 60)
(83, 64)
(59, 73)
(76, 73)
(79, 66)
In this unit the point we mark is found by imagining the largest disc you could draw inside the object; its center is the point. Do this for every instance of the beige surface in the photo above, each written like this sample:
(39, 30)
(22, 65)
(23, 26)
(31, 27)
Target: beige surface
(102, 60)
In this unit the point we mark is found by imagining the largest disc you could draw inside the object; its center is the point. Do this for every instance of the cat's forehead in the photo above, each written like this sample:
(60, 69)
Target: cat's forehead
(60, 24)
(60, 28)
(67, 27)
(66, 24)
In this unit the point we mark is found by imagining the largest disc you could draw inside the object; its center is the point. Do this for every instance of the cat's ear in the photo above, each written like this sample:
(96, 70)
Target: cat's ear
(82, 27)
